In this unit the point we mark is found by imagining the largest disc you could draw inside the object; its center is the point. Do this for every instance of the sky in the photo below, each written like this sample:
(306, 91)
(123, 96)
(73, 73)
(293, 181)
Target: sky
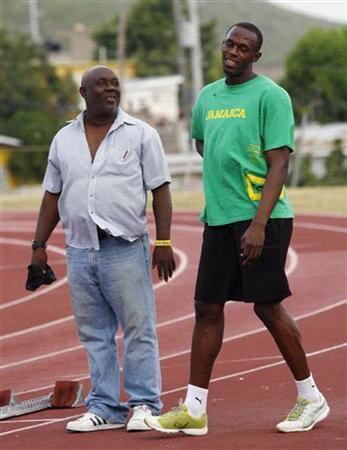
(334, 10)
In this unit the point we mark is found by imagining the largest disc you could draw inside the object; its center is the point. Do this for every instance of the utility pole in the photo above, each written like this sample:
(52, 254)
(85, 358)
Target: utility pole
(34, 21)
(196, 57)
(121, 43)
(187, 25)
(181, 58)
(298, 152)
(189, 40)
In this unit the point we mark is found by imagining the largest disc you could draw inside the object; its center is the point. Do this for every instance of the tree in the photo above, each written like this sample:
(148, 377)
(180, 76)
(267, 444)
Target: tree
(34, 101)
(316, 75)
(151, 38)
(335, 164)
(307, 177)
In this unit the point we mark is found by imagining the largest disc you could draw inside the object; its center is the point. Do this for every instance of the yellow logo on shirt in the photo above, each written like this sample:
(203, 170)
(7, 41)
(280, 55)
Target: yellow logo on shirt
(255, 184)
(232, 113)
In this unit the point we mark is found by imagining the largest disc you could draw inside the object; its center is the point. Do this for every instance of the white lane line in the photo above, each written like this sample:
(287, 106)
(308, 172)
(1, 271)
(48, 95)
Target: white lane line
(182, 352)
(162, 324)
(43, 291)
(36, 328)
(17, 430)
(291, 266)
(323, 216)
(69, 318)
(261, 329)
(25, 229)
(315, 226)
(40, 357)
(180, 269)
(257, 369)
(292, 261)
(30, 420)
(171, 391)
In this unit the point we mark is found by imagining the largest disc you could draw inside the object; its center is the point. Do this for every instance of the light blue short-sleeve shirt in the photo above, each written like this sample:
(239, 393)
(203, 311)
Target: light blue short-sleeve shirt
(111, 191)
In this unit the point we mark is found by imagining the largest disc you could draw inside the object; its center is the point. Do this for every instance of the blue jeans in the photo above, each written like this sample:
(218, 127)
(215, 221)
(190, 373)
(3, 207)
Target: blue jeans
(112, 287)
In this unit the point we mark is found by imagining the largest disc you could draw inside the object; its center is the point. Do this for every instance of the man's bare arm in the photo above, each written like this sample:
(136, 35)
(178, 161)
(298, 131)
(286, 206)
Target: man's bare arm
(163, 257)
(199, 145)
(46, 222)
(252, 241)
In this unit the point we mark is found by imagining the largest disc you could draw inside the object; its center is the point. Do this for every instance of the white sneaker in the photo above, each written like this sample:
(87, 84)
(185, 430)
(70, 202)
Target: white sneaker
(137, 423)
(91, 422)
(304, 415)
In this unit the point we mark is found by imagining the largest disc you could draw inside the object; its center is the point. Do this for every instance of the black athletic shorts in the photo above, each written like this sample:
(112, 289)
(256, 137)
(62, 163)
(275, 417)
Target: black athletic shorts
(221, 276)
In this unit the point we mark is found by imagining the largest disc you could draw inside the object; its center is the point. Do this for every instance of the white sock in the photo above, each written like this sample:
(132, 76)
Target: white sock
(196, 400)
(307, 389)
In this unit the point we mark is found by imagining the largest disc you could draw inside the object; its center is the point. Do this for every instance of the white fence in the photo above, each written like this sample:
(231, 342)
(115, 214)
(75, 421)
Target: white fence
(184, 164)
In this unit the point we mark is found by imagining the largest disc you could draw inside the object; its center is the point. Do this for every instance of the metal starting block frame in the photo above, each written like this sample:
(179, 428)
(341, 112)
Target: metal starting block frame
(67, 394)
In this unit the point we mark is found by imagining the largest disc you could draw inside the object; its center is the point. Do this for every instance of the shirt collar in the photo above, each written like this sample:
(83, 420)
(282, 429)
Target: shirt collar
(122, 117)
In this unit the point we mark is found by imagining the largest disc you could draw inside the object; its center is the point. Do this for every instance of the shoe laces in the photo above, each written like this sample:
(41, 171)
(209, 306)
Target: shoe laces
(86, 416)
(176, 410)
(298, 409)
(142, 409)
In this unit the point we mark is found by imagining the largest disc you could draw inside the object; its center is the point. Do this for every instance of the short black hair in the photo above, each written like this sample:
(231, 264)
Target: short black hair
(250, 27)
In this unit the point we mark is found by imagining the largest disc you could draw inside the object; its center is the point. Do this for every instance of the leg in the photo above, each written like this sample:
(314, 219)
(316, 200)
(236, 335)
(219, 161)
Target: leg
(218, 274)
(306, 413)
(127, 285)
(206, 342)
(190, 417)
(97, 326)
(286, 335)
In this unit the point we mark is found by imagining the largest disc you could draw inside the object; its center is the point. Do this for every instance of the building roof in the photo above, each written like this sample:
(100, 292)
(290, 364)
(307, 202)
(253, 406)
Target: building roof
(323, 133)
(8, 141)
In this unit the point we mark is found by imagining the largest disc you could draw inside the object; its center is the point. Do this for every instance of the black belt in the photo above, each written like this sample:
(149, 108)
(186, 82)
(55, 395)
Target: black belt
(102, 234)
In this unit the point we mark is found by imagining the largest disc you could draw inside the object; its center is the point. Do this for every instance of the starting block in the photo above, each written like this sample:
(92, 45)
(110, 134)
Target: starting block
(67, 394)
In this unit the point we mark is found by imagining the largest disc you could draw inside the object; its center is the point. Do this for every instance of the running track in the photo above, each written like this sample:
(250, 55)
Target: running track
(251, 388)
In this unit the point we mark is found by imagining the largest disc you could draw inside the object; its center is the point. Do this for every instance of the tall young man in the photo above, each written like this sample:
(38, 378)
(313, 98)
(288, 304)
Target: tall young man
(244, 129)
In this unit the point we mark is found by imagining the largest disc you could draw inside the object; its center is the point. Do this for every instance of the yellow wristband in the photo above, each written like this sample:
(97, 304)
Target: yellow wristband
(162, 243)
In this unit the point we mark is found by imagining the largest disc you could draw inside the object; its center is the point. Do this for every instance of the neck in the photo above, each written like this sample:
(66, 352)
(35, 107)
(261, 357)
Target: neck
(238, 79)
(99, 121)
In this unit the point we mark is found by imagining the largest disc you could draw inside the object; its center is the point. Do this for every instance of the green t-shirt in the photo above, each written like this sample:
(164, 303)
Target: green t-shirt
(238, 123)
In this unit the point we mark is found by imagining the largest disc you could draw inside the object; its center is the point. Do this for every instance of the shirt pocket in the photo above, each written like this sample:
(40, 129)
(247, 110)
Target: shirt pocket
(124, 160)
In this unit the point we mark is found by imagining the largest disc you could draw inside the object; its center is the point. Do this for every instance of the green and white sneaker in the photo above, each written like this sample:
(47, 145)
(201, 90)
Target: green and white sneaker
(179, 419)
(304, 415)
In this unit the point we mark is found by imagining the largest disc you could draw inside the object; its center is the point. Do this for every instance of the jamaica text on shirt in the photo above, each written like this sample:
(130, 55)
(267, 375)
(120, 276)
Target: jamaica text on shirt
(233, 113)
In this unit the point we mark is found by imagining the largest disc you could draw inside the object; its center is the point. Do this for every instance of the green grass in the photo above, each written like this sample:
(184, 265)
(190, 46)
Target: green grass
(323, 200)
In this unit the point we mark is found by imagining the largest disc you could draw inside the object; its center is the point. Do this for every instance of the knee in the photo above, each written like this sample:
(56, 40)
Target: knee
(265, 311)
(208, 313)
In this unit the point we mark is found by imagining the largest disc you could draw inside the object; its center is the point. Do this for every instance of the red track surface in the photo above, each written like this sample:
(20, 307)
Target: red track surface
(251, 388)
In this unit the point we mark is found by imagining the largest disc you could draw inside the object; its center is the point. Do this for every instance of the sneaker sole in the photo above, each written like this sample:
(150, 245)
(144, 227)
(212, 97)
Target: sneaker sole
(96, 428)
(189, 431)
(142, 427)
(324, 414)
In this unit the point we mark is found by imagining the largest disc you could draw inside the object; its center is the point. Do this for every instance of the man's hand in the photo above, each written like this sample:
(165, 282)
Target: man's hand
(252, 243)
(37, 275)
(163, 259)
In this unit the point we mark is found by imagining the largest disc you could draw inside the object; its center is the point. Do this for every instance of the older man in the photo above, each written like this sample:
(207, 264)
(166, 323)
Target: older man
(99, 170)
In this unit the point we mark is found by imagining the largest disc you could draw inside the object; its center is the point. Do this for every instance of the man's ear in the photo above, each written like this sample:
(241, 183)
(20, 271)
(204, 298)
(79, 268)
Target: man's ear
(257, 56)
(83, 91)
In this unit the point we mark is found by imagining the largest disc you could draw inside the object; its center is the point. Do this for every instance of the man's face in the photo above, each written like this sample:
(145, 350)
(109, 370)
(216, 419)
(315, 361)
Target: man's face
(239, 51)
(101, 91)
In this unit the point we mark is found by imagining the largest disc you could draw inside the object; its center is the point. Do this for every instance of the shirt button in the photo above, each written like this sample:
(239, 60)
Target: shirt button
(91, 212)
